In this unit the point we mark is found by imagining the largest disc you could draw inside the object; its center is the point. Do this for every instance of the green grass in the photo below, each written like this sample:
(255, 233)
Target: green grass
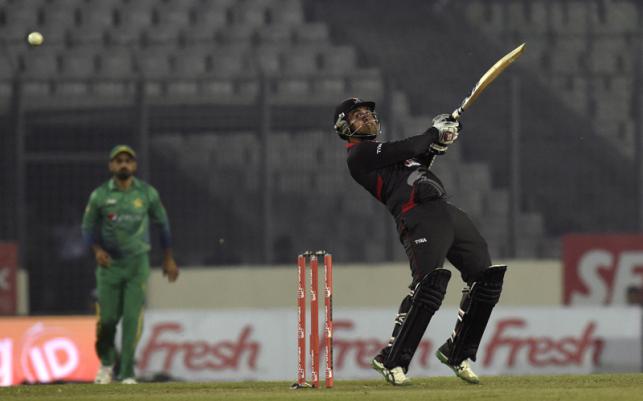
(602, 387)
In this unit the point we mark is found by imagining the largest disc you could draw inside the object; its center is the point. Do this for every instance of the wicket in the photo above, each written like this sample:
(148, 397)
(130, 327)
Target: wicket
(314, 317)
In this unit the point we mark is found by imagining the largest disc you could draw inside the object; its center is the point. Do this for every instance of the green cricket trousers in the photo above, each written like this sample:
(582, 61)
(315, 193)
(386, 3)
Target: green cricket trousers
(121, 294)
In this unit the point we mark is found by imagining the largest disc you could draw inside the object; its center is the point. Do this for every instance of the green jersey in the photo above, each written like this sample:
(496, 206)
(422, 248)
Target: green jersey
(122, 218)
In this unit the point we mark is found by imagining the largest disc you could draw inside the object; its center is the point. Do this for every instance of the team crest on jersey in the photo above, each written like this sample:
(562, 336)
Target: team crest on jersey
(138, 203)
(411, 163)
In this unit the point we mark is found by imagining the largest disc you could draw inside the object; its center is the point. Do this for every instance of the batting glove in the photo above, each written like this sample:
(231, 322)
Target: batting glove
(448, 130)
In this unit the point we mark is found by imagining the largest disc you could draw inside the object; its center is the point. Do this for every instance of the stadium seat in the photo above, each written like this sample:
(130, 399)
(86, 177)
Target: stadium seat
(566, 56)
(312, 33)
(291, 87)
(6, 68)
(190, 62)
(161, 35)
(573, 90)
(611, 54)
(274, 34)
(175, 13)
(77, 67)
(286, 12)
(211, 4)
(367, 82)
(24, 5)
(134, 14)
(206, 24)
(301, 61)
(487, 15)
(619, 132)
(216, 88)
(39, 69)
(77, 64)
(115, 74)
(229, 62)
(268, 58)
(615, 17)
(115, 63)
(153, 64)
(330, 86)
(86, 36)
(154, 67)
(21, 20)
(128, 35)
(517, 15)
(40, 63)
(236, 35)
(53, 16)
(538, 47)
(251, 13)
(339, 59)
(182, 87)
(54, 34)
(614, 99)
(569, 17)
(213, 14)
(6, 77)
(101, 17)
(65, 4)
(528, 17)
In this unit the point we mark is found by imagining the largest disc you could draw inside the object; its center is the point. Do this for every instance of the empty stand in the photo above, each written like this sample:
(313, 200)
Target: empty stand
(274, 34)
(311, 34)
(585, 44)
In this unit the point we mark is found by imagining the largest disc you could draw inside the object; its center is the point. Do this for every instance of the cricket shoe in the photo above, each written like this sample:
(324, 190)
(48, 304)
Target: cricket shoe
(129, 380)
(104, 375)
(462, 370)
(395, 376)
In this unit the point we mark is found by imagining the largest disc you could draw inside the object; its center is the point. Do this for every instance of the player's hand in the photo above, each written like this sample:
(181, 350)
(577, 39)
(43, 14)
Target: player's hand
(170, 270)
(102, 257)
(448, 129)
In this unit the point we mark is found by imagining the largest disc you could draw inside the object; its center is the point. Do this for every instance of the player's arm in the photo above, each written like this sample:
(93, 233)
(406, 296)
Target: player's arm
(369, 156)
(158, 215)
(91, 219)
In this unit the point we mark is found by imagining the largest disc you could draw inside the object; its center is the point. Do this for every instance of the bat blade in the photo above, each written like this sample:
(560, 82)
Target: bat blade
(488, 77)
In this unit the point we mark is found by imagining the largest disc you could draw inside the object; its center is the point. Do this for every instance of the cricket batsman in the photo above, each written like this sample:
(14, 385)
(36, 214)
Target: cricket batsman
(116, 227)
(431, 230)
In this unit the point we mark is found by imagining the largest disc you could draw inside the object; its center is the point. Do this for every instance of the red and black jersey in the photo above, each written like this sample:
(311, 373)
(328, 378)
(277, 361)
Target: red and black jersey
(396, 172)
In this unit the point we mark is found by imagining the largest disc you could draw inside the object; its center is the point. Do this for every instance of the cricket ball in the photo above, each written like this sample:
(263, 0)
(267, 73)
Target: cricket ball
(35, 39)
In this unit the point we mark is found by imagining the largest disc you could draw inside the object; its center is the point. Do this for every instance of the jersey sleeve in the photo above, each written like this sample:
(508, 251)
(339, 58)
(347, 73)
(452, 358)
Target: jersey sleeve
(91, 218)
(158, 215)
(369, 156)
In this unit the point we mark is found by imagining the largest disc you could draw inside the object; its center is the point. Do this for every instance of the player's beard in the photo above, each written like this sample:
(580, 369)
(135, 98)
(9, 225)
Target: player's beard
(123, 174)
(370, 126)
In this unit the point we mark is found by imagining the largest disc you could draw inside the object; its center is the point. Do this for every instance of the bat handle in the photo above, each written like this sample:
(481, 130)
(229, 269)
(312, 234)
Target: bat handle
(457, 113)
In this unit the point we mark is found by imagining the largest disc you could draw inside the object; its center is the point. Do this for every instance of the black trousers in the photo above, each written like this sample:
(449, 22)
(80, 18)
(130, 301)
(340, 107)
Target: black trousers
(436, 230)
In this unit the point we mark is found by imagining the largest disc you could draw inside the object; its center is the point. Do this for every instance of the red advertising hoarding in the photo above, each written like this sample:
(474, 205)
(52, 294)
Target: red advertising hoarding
(8, 281)
(47, 349)
(599, 269)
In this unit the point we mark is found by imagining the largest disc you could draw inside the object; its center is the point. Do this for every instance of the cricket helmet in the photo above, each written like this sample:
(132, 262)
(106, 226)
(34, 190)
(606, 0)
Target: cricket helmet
(340, 119)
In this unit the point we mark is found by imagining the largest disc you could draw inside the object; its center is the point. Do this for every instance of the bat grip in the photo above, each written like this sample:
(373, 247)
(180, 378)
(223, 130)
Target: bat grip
(457, 113)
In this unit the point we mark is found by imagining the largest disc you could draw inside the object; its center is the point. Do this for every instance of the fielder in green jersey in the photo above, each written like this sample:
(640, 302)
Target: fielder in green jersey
(116, 227)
